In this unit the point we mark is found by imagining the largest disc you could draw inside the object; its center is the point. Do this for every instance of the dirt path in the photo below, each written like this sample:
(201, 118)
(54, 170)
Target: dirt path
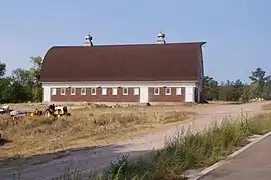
(98, 158)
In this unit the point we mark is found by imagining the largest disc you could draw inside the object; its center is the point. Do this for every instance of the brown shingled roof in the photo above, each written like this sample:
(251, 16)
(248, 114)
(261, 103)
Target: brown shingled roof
(148, 62)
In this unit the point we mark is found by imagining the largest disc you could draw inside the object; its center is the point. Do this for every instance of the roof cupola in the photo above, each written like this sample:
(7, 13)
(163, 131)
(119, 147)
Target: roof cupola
(88, 41)
(161, 38)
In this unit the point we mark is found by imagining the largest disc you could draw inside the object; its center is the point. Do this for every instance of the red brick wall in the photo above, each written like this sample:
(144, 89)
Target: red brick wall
(96, 98)
(162, 97)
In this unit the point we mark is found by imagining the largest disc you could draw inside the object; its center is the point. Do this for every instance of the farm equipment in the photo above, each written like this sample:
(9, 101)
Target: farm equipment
(52, 111)
(20, 114)
(35, 113)
(12, 113)
(57, 111)
(4, 110)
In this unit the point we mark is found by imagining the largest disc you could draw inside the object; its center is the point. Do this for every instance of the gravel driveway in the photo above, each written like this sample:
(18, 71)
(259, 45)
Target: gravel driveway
(98, 158)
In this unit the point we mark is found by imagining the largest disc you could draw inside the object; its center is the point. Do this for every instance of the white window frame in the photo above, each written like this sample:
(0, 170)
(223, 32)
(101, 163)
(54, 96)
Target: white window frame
(74, 91)
(53, 91)
(154, 92)
(62, 94)
(91, 91)
(167, 93)
(178, 91)
(104, 91)
(82, 92)
(114, 91)
(136, 91)
(126, 92)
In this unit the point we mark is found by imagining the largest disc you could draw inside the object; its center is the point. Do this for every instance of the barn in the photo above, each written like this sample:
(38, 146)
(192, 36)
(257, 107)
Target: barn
(134, 73)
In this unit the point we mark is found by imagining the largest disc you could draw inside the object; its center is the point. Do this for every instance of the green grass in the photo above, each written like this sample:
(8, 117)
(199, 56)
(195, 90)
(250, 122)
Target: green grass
(183, 152)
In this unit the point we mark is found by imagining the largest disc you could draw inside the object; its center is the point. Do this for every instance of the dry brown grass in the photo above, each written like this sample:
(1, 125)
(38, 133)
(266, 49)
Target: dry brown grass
(86, 127)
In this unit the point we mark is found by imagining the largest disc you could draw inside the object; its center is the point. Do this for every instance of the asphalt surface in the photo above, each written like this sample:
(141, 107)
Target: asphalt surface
(252, 164)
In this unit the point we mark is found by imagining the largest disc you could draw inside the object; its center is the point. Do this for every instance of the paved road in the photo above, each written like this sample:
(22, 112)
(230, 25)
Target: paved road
(252, 164)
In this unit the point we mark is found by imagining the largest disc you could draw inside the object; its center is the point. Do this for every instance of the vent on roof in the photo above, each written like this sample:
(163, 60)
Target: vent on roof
(161, 38)
(88, 41)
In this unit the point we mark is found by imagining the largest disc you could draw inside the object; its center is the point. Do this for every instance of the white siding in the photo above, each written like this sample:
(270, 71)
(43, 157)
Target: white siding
(178, 91)
(136, 91)
(144, 94)
(189, 94)
(53, 91)
(46, 94)
(104, 91)
(115, 91)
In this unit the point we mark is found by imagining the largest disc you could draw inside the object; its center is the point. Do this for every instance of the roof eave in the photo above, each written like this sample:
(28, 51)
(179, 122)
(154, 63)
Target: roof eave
(202, 43)
(86, 82)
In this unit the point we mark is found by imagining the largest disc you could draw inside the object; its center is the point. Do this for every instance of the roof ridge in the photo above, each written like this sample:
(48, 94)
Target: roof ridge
(139, 44)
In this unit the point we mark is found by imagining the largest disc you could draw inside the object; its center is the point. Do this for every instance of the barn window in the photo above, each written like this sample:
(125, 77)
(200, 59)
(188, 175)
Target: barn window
(62, 91)
(179, 91)
(83, 91)
(73, 91)
(125, 91)
(156, 91)
(104, 91)
(53, 91)
(93, 91)
(168, 91)
(114, 91)
(136, 91)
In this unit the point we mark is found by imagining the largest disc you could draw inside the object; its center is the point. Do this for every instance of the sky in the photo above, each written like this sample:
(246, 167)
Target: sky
(237, 32)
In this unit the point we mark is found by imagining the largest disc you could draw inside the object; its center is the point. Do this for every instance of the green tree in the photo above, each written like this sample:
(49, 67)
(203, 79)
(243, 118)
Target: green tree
(246, 94)
(210, 89)
(22, 79)
(27, 81)
(6, 95)
(267, 90)
(237, 90)
(2, 69)
(259, 76)
(23, 76)
(5, 85)
(255, 90)
(259, 79)
(225, 91)
(36, 67)
(35, 72)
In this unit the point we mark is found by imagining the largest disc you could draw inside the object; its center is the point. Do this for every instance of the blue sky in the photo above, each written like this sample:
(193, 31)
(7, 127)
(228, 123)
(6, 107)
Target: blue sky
(237, 32)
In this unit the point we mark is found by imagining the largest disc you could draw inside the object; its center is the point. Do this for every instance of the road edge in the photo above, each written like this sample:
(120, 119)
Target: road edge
(231, 156)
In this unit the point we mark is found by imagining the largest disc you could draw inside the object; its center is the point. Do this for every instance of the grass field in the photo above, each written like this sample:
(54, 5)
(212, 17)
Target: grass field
(88, 126)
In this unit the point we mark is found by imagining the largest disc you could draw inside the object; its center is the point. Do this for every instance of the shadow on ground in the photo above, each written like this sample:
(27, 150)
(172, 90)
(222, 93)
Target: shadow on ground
(48, 166)
(3, 142)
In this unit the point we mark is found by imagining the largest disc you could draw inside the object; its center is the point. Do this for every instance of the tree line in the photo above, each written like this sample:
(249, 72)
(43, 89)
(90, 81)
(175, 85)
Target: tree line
(23, 86)
(259, 87)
